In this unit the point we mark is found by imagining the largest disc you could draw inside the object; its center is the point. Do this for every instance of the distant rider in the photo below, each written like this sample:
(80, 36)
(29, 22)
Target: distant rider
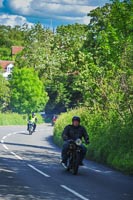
(33, 119)
(73, 132)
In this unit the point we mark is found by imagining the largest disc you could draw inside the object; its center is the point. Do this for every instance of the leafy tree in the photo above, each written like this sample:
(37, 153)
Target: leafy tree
(68, 41)
(4, 93)
(27, 91)
(83, 65)
(11, 36)
(54, 58)
(37, 48)
(106, 78)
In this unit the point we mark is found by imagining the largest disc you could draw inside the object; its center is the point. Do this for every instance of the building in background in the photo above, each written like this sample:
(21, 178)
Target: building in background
(16, 49)
(7, 67)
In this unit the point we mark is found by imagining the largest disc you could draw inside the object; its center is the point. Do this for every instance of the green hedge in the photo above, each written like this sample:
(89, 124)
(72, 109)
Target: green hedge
(16, 119)
(111, 139)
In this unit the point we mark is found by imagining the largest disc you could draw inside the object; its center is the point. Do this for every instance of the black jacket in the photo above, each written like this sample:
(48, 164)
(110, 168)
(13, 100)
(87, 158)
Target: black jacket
(72, 132)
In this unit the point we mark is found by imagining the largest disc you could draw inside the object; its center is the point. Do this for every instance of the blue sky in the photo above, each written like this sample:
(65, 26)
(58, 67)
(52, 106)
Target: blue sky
(50, 13)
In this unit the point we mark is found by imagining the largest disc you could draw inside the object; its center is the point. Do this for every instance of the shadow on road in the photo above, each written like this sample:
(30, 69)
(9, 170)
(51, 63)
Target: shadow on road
(50, 142)
(28, 145)
(19, 182)
(24, 133)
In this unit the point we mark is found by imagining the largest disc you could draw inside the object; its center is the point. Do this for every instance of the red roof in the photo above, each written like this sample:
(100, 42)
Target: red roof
(16, 49)
(5, 63)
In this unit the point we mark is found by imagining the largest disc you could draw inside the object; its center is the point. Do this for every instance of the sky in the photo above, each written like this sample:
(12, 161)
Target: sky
(50, 13)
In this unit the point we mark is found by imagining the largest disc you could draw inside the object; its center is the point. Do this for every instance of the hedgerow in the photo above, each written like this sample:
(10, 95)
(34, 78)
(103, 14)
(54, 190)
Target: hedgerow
(110, 137)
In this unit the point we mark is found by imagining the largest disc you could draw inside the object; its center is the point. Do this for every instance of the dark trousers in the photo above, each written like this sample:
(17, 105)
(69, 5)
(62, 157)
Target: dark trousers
(34, 126)
(65, 150)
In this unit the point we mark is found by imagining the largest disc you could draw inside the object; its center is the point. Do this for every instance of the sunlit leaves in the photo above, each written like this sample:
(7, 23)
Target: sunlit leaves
(27, 91)
(4, 93)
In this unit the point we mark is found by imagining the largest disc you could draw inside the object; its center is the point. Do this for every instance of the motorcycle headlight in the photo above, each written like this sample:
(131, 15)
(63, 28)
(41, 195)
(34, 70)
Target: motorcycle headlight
(78, 142)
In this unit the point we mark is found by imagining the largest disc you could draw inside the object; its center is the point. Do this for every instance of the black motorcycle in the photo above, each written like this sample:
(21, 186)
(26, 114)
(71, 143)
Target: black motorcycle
(31, 128)
(74, 156)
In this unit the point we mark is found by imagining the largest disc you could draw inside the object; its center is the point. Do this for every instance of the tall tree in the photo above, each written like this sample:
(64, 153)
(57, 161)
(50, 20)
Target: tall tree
(4, 93)
(27, 91)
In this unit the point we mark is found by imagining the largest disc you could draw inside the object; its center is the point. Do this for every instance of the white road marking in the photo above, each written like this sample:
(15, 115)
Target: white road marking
(42, 173)
(39, 171)
(16, 155)
(73, 192)
(9, 134)
(12, 153)
(4, 137)
(2, 141)
(31, 166)
(97, 170)
(5, 146)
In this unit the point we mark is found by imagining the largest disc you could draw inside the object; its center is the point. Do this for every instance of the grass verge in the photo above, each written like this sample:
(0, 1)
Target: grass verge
(16, 119)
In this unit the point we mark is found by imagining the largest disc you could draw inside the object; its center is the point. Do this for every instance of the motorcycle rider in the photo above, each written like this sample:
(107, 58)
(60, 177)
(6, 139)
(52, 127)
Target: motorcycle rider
(32, 118)
(73, 132)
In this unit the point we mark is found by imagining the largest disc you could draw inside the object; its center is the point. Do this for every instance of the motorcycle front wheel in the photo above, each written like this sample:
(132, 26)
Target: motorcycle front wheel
(30, 131)
(76, 162)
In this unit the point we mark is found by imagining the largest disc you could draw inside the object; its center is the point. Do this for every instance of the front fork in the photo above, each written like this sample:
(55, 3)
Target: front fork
(73, 158)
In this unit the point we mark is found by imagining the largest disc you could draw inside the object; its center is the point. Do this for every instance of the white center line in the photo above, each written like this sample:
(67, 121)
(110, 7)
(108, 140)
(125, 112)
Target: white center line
(4, 137)
(31, 166)
(39, 171)
(42, 173)
(16, 155)
(5, 146)
(9, 134)
(73, 192)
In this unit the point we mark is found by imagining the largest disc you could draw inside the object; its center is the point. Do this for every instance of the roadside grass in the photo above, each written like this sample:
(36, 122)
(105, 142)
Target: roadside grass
(16, 119)
(111, 138)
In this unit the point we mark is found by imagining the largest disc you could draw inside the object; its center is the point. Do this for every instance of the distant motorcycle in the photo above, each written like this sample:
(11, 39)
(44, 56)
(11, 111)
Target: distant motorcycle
(74, 156)
(31, 128)
(54, 119)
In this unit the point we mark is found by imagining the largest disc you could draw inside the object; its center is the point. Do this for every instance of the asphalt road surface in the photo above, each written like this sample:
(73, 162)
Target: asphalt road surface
(30, 169)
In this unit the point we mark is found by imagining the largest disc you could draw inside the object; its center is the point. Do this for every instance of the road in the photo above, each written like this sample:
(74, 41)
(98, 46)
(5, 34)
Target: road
(30, 169)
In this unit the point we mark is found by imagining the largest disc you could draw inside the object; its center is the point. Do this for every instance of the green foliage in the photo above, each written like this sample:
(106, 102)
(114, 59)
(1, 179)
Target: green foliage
(110, 137)
(16, 119)
(53, 57)
(12, 119)
(4, 93)
(5, 53)
(27, 91)
(11, 36)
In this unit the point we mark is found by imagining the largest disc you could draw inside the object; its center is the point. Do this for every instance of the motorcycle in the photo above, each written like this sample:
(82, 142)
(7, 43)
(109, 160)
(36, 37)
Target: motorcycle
(54, 119)
(74, 156)
(31, 128)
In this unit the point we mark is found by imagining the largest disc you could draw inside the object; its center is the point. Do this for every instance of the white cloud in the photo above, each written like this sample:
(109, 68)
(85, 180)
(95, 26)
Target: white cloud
(54, 9)
(85, 20)
(20, 5)
(12, 20)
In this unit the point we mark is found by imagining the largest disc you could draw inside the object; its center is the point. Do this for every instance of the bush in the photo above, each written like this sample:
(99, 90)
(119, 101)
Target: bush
(16, 119)
(110, 137)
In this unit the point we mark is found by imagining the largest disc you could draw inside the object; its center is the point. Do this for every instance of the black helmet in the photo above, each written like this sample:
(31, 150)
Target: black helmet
(76, 118)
